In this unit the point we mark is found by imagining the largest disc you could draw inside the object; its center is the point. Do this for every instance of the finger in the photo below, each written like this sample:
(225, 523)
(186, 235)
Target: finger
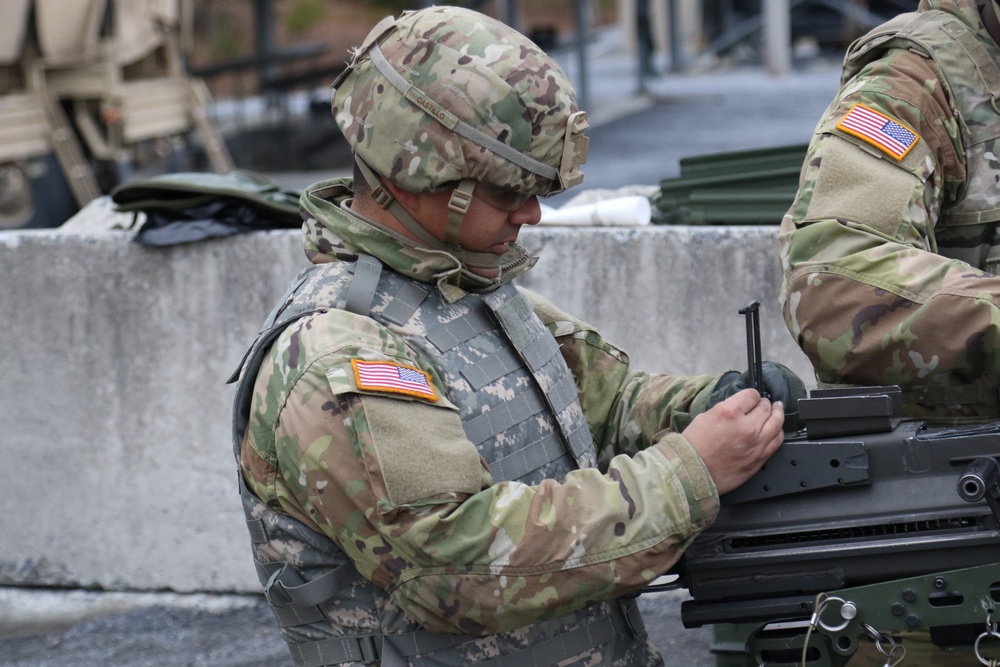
(763, 410)
(746, 401)
(775, 422)
(773, 445)
(770, 422)
(775, 433)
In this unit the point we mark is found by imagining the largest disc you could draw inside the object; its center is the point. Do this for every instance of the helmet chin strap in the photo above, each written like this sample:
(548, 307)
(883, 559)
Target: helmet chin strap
(458, 206)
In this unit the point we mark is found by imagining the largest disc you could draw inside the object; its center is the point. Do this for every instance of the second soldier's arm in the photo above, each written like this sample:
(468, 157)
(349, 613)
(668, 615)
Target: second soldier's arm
(866, 295)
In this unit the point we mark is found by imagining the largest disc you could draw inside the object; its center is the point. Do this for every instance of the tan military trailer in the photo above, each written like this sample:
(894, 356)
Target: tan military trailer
(90, 92)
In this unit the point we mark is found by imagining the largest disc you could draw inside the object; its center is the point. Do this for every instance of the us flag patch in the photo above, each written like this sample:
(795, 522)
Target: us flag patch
(882, 132)
(394, 378)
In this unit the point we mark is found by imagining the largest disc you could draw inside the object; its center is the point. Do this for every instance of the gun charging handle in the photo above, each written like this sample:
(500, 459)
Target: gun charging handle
(981, 479)
(755, 363)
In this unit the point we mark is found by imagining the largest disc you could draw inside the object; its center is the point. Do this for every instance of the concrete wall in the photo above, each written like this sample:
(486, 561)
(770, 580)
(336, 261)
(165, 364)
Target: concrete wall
(116, 469)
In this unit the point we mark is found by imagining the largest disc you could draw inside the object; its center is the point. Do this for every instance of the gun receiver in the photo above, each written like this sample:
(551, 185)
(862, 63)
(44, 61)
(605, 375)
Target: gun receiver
(886, 514)
(847, 509)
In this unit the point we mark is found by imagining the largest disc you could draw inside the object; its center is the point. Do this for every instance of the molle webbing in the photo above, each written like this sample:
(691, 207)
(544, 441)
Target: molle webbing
(483, 340)
(298, 603)
(362, 289)
(399, 300)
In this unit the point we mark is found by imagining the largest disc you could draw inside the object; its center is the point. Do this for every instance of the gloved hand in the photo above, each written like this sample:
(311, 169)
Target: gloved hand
(779, 382)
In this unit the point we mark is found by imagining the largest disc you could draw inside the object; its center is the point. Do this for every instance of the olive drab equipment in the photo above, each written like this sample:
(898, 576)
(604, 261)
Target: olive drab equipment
(861, 525)
(328, 613)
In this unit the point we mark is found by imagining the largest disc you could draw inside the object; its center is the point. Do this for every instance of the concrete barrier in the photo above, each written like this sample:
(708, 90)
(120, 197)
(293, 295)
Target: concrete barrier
(116, 468)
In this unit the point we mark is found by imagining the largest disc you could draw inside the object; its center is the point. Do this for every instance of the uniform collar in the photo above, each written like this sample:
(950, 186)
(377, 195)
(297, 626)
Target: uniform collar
(335, 232)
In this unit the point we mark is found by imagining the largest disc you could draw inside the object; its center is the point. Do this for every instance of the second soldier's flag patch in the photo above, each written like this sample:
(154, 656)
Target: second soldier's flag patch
(884, 133)
(388, 376)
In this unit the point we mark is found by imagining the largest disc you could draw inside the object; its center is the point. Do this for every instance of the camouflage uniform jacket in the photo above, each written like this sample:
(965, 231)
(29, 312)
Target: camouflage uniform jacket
(891, 246)
(392, 481)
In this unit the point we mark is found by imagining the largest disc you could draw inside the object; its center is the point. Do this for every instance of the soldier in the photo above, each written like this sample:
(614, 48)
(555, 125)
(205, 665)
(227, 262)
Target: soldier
(890, 250)
(891, 247)
(437, 466)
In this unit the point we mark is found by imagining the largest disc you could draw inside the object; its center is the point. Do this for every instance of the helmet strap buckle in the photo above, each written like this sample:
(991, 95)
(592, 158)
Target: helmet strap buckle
(382, 196)
(575, 145)
(460, 200)
(458, 206)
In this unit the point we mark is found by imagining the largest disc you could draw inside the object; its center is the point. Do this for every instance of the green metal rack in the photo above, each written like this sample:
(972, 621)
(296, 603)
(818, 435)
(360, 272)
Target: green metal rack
(742, 188)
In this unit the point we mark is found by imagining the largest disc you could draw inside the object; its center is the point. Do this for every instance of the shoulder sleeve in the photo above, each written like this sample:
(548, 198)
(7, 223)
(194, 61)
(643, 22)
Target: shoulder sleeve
(888, 154)
(865, 293)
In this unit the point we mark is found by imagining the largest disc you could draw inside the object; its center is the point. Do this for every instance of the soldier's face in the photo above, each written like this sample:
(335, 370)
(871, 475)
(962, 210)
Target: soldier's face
(491, 224)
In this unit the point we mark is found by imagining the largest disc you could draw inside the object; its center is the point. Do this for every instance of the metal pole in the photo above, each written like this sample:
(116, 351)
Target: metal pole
(264, 33)
(674, 35)
(641, 42)
(509, 12)
(777, 37)
(581, 15)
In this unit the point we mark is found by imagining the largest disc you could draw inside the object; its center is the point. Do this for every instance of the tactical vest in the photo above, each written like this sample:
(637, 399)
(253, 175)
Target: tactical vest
(327, 612)
(967, 229)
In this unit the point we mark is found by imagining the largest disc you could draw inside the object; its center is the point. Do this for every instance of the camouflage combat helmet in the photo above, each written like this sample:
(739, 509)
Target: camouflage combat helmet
(445, 95)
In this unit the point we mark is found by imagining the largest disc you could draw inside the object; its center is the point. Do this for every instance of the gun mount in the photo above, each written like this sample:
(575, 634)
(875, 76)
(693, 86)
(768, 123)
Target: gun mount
(846, 511)
(897, 520)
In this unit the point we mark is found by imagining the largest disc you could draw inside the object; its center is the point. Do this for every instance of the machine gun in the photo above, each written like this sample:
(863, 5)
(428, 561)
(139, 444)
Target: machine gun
(893, 524)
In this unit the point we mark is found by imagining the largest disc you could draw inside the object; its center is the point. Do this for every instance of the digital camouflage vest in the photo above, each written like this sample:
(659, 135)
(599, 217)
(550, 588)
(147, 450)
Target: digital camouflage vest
(328, 613)
(967, 229)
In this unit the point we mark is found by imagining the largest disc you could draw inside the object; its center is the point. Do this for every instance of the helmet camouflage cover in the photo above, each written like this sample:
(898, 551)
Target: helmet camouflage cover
(445, 94)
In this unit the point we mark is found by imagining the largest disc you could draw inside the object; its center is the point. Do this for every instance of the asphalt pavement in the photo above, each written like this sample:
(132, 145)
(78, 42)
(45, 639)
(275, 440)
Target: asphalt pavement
(635, 140)
(168, 630)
